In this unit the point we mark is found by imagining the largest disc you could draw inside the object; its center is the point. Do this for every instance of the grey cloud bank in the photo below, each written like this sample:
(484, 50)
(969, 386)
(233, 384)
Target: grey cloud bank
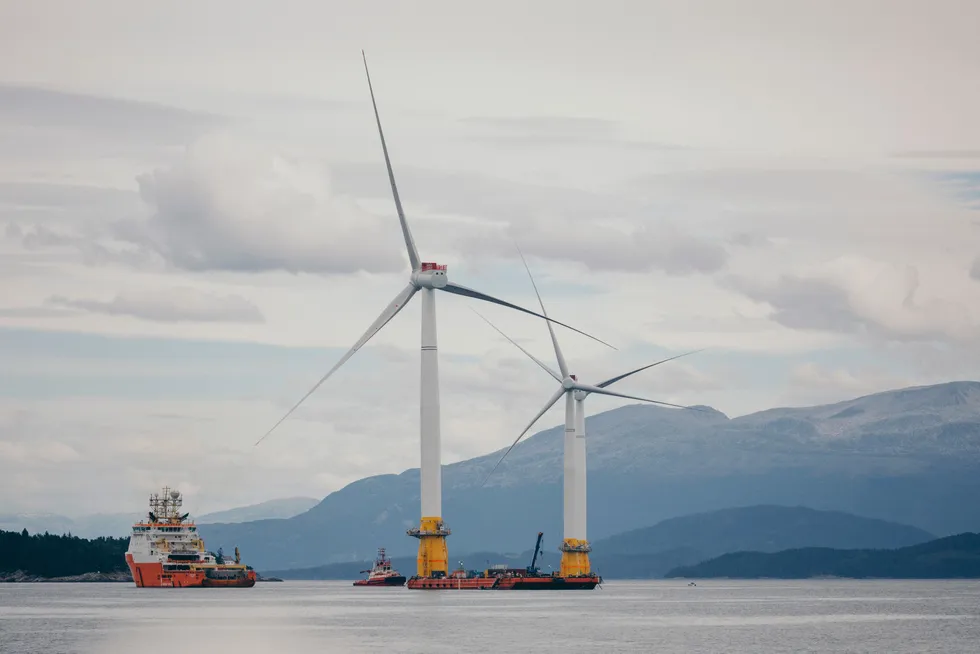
(229, 205)
(174, 305)
(110, 117)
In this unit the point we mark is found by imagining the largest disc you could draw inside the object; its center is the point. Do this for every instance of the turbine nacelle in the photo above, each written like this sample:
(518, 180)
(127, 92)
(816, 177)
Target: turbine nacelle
(430, 275)
(425, 275)
(570, 385)
(579, 391)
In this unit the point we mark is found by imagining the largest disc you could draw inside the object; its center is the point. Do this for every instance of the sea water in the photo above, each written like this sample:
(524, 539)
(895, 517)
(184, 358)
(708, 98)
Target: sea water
(760, 617)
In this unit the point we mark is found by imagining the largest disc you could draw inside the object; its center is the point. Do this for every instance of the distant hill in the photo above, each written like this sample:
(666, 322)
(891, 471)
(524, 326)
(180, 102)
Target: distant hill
(765, 528)
(953, 557)
(909, 456)
(120, 524)
(286, 507)
(652, 551)
(36, 522)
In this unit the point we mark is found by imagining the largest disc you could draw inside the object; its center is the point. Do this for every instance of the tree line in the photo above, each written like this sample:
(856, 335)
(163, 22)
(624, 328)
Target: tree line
(49, 555)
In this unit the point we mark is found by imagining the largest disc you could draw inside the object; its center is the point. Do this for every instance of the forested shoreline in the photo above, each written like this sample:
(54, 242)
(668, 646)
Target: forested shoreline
(49, 555)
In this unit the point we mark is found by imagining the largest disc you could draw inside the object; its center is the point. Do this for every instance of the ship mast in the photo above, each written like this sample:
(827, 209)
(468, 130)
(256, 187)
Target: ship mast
(165, 506)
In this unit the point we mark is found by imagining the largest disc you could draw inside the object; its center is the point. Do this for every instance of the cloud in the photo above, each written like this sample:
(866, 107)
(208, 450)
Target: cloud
(87, 240)
(52, 126)
(606, 246)
(604, 231)
(672, 380)
(827, 204)
(37, 196)
(232, 205)
(938, 154)
(800, 303)
(812, 383)
(40, 107)
(182, 304)
(537, 131)
(975, 269)
(563, 125)
(813, 375)
(44, 453)
(474, 194)
(856, 295)
(34, 312)
(750, 240)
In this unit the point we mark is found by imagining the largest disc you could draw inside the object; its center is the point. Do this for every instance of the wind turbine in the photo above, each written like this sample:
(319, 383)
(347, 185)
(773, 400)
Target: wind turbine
(575, 547)
(426, 277)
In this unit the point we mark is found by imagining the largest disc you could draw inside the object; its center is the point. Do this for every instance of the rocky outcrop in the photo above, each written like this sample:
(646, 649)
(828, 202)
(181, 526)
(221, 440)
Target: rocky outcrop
(92, 577)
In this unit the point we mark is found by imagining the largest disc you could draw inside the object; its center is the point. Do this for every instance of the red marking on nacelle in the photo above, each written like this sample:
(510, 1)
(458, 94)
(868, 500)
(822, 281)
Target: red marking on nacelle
(428, 265)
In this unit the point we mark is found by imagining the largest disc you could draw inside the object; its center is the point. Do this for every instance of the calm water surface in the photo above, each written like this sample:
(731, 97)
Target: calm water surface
(655, 616)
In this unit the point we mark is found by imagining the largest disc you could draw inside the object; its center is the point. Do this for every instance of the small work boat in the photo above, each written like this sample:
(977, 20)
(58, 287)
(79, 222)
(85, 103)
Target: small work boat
(382, 573)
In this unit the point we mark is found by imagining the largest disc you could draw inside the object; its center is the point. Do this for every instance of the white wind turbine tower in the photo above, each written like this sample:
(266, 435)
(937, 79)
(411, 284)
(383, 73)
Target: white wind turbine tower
(427, 278)
(575, 547)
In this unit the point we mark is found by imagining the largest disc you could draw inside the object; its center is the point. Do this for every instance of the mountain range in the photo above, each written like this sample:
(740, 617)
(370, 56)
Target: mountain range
(121, 524)
(952, 557)
(653, 551)
(910, 456)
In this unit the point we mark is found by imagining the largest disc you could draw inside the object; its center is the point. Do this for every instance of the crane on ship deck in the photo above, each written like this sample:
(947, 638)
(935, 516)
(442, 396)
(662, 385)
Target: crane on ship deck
(532, 569)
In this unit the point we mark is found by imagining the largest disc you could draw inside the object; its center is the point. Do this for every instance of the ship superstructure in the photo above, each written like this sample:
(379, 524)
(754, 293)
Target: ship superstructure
(165, 550)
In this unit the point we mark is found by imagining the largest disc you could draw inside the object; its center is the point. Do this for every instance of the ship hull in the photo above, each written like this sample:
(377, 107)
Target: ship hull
(386, 581)
(152, 575)
(505, 583)
(242, 582)
(549, 583)
(448, 583)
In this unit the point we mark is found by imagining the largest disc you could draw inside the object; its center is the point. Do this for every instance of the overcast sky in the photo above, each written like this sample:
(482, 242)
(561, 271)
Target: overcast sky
(195, 223)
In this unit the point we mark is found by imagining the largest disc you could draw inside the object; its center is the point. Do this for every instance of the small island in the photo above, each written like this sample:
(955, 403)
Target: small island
(50, 558)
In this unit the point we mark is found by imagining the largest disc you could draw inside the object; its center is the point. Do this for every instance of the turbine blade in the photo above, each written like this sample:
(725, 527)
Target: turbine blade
(515, 344)
(615, 379)
(459, 289)
(551, 330)
(602, 391)
(413, 253)
(390, 312)
(551, 403)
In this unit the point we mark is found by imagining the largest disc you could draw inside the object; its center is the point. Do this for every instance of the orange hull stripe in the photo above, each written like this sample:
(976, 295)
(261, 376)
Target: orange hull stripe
(151, 575)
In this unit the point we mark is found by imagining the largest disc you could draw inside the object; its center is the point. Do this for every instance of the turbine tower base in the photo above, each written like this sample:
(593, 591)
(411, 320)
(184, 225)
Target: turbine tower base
(433, 558)
(575, 558)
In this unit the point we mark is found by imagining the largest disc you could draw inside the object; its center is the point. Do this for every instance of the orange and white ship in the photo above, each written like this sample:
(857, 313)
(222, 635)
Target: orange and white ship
(165, 551)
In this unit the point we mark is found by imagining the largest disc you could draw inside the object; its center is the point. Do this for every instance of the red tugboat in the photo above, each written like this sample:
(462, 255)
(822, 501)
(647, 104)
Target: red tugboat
(504, 578)
(381, 574)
